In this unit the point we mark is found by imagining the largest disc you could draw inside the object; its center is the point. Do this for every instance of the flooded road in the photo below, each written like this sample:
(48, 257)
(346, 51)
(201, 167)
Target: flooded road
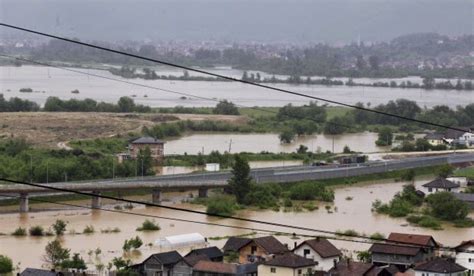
(48, 82)
(346, 214)
(258, 142)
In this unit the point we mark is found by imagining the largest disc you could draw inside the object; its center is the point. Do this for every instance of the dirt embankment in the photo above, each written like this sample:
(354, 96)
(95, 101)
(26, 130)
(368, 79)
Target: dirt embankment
(50, 129)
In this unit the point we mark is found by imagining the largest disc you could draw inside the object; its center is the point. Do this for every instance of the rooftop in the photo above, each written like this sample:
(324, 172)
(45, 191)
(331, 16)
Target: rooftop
(394, 249)
(147, 140)
(441, 183)
(434, 136)
(220, 268)
(192, 260)
(166, 258)
(464, 244)
(323, 247)
(350, 268)
(39, 272)
(423, 240)
(290, 260)
(211, 252)
(440, 265)
(235, 243)
(464, 197)
(271, 244)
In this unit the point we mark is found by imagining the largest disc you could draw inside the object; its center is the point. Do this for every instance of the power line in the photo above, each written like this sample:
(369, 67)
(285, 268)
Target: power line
(217, 215)
(229, 78)
(392, 243)
(164, 89)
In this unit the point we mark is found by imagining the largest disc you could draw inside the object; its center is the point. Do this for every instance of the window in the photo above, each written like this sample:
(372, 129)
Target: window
(273, 270)
(300, 271)
(306, 252)
(253, 249)
(430, 190)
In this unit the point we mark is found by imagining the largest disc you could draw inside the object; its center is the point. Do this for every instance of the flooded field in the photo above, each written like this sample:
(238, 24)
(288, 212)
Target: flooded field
(346, 214)
(48, 82)
(257, 142)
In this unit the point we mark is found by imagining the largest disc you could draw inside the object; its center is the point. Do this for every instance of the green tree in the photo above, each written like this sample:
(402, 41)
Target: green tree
(240, 182)
(364, 256)
(445, 170)
(76, 262)
(126, 104)
(385, 137)
(444, 205)
(145, 161)
(287, 136)
(335, 125)
(55, 253)
(226, 108)
(6, 264)
(302, 149)
(59, 227)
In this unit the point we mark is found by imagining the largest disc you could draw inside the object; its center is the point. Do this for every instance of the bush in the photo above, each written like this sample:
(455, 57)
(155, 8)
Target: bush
(310, 206)
(89, 229)
(221, 205)
(425, 221)
(149, 225)
(19, 232)
(263, 196)
(36, 231)
(59, 227)
(133, 243)
(349, 233)
(446, 206)
(6, 264)
(377, 236)
(311, 191)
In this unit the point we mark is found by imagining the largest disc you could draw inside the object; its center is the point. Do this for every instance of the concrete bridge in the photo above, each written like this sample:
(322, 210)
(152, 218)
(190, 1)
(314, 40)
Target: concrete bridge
(202, 182)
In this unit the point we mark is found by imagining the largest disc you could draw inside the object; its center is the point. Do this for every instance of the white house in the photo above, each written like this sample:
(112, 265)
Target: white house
(441, 185)
(439, 267)
(460, 137)
(461, 180)
(320, 250)
(465, 255)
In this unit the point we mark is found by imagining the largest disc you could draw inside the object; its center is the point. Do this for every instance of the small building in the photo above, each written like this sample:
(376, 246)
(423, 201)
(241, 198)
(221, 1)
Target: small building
(439, 267)
(435, 139)
(156, 148)
(320, 250)
(168, 263)
(465, 255)
(212, 167)
(441, 185)
(352, 159)
(40, 272)
(350, 267)
(461, 180)
(465, 137)
(213, 253)
(467, 198)
(406, 252)
(388, 270)
(256, 249)
(288, 264)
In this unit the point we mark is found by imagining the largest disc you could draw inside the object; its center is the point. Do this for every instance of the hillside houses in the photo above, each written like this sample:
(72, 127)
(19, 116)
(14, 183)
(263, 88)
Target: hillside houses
(452, 137)
(404, 255)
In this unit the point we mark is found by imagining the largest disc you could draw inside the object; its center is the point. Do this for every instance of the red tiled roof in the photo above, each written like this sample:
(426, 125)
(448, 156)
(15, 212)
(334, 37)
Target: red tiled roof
(271, 245)
(352, 268)
(222, 268)
(422, 240)
(394, 249)
(324, 248)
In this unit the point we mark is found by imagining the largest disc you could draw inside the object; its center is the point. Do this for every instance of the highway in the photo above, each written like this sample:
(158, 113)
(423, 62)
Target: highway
(264, 175)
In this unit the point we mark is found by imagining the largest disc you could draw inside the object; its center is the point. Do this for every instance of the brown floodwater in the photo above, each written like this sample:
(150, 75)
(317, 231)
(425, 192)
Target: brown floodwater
(346, 214)
(258, 142)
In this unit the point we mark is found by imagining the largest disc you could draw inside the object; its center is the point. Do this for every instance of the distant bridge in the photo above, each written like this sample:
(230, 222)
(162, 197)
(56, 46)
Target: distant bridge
(209, 180)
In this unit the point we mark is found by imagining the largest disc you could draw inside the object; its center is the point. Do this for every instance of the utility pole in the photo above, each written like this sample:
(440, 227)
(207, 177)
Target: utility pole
(230, 145)
(142, 168)
(31, 168)
(113, 167)
(333, 143)
(47, 172)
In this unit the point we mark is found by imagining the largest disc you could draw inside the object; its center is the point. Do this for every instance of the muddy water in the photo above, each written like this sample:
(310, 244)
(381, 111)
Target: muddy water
(349, 214)
(60, 83)
(257, 142)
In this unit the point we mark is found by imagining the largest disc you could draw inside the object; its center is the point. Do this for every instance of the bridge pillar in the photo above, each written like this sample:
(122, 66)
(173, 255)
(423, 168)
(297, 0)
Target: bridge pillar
(96, 200)
(156, 196)
(24, 206)
(202, 192)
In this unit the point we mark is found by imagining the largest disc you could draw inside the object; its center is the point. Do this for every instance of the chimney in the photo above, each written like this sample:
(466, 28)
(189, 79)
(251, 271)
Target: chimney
(295, 245)
(349, 264)
(334, 262)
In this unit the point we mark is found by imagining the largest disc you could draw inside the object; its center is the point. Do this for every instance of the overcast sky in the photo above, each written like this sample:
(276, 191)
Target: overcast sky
(332, 21)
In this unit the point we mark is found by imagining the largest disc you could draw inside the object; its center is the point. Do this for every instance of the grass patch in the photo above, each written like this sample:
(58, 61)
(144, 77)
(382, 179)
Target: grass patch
(465, 172)
(425, 221)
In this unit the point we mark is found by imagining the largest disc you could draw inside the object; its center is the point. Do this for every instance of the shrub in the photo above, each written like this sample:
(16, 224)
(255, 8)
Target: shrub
(59, 227)
(149, 225)
(133, 243)
(377, 236)
(36, 231)
(425, 221)
(348, 232)
(263, 196)
(6, 264)
(19, 232)
(311, 191)
(310, 206)
(89, 229)
(221, 206)
(446, 206)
